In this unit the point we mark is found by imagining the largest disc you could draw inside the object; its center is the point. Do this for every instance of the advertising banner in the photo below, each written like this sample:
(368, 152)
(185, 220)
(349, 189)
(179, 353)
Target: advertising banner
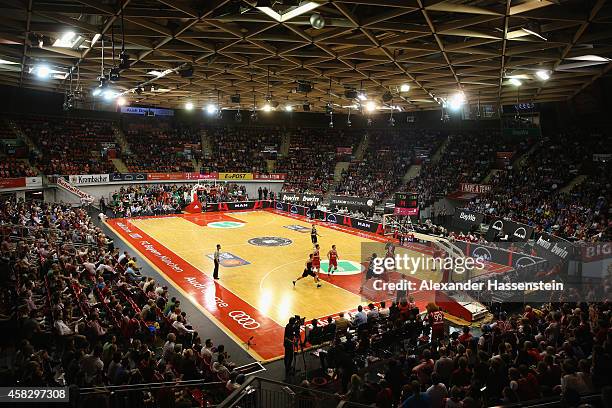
(238, 205)
(308, 199)
(12, 182)
(602, 157)
(271, 176)
(596, 258)
(351, 201)
(406, 211)
(199, 176)
(77, 179)
(466, 220)
(165, 176)
(519, 232)
(498, 255)
(86, 197)
(357, 223)
(474, 188)
(135, 110)
(34, 182)
(128, 177)
(515, 231)
(553, 248)
(305, 198)
(236, 176)
(333, 218)
(290, 197)
(344, 150)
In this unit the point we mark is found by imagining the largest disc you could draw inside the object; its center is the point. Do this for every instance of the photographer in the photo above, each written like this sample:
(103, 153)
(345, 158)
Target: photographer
(292, 333)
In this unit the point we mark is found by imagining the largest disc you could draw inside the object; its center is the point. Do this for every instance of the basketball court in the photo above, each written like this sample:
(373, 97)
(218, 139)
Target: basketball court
(262, 252)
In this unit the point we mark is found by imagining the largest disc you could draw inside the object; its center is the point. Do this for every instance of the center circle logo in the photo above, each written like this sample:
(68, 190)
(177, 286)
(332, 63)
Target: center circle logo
(270, 241)
(225, 224)
(344, 267)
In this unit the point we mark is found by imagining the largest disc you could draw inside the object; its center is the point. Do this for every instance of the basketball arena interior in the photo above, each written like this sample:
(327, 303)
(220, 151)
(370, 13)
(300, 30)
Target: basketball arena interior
(305, 203)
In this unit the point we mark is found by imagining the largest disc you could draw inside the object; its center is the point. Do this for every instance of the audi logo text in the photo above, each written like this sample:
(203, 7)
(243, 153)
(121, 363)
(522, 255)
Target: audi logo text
(244, 320)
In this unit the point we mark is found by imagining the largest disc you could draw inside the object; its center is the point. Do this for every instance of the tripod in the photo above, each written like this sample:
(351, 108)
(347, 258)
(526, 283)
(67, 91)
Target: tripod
(298, 347)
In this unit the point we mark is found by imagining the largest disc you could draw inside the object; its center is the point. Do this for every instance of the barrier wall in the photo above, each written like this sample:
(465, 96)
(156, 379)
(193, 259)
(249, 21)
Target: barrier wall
(333, 218)
(103, 185)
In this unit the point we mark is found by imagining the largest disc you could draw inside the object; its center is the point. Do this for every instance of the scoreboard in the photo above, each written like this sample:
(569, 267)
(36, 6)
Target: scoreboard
(406, 204)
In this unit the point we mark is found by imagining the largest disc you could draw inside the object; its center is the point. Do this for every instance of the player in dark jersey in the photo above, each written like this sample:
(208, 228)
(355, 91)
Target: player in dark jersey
(332, 257)
(308, 271)
(314, 234)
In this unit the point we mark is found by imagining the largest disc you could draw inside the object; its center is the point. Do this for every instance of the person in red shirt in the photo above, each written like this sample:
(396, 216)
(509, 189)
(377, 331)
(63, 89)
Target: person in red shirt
(435, 317)
(316, 259)
(466, 336)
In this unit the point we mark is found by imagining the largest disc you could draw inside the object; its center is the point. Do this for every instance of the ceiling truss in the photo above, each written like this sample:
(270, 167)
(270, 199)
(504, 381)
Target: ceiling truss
(437, 47)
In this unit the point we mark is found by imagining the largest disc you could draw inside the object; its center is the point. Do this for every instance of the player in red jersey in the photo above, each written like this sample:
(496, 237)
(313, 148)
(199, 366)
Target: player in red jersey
(332, 256)
(435, 317)
(316, 259)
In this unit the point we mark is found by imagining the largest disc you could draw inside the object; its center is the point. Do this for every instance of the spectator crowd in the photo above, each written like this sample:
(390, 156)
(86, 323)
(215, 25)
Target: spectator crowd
(82, 313)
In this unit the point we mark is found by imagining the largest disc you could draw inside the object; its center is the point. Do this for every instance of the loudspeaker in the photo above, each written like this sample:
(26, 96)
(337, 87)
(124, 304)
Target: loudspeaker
(350, 93)
(387, 96)
(186, 72)
(235, 98)
(306, 107)
(304, 87)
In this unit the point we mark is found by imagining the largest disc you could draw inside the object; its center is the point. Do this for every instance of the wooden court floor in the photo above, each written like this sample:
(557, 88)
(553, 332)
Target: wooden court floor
(263, 252)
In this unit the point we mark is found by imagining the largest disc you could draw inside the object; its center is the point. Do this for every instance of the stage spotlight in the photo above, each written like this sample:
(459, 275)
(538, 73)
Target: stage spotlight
(121, 101)
(289, 108)
(543, 75)
(211, 109)
(331, 123)
(109, 95)
(391, 121)
(348, 123)
(114, 74)
(404, 88)
(515, 82)
(238, 117)
(124, 60)
(370, 106)
(100, 88)
(267, 107)
(254, 116)
(362, 96)
(456, 101)
(189, 106)
(317, 21)
(42, 71)
(369, 122)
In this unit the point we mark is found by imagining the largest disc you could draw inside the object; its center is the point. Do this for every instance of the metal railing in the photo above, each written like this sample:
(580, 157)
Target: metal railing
(199, 393)
(259, 392)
